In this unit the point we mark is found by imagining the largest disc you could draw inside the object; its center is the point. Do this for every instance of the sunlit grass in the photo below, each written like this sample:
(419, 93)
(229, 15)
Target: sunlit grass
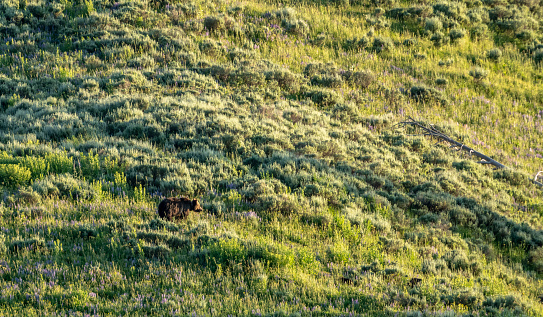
(315, 201)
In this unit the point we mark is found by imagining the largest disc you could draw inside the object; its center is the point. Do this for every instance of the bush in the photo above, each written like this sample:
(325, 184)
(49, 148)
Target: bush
(456, 34)
(427, 94)
(536, 259)
(91, 85)
(291, 22)
(28, 196)
(237, 55)
(35, 245)
(464, 217)
(3, 246)
(296, 26)
(87, 231)
(322, 220)
(475, 16)
(361, 79)
(447, 62)
(338, 253)
(214, 23)
(262, 188)
(14, 175)
(286, 79)
(466, 165)
(156, 252)
(211, 47)
(478, 31)
(381, 44)
(155, 224)
(393, 245)
(500, 302)
(436, 203)
(441, 82)
(510, 25)
(439, 39)
(281, 203)
(373, 221)
(512, 177)
(332, 80)
(356, 43)
(525, 35)
(436, 156)
(285, 13)
(165, 177)
(538, 56)
(494, 54)
(458, 260)
(378, 23)
(313, 69)
(454, 10)
(248, 76)
(433, 24)
(431, 266)
(410, 42)
(324, 97)
(467, 297)
(66, 186)
(478, 73)
(420, 56)
(195, 81)
(396, 13)
(141, 62)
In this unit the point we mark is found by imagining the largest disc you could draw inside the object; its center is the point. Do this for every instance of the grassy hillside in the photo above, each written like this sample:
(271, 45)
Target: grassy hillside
(281, 118)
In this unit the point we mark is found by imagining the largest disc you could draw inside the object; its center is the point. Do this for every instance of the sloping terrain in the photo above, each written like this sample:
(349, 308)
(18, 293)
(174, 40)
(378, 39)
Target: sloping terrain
(281, 118)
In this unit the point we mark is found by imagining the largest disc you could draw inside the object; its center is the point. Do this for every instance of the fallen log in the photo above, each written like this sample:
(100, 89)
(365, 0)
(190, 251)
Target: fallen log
(431, 131)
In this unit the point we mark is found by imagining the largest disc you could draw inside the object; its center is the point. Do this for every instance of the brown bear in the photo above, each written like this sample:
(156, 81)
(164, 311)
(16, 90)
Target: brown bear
(177, 208)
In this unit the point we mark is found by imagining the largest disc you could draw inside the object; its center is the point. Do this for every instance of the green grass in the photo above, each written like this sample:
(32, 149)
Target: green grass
(281, 119)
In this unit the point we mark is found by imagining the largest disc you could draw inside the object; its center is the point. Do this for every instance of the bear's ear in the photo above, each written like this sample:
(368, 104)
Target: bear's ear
(194, 203)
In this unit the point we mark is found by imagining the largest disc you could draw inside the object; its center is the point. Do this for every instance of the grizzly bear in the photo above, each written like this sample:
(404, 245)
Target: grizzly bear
(177, 208)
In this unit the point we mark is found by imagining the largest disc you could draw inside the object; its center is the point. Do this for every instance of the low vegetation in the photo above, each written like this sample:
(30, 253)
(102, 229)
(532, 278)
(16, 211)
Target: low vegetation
(281, 119)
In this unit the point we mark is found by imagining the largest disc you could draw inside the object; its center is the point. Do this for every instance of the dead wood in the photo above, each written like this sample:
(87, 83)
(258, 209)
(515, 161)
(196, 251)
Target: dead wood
(431, 131)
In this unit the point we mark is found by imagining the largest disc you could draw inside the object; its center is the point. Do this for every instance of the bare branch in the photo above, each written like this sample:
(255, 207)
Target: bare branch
(431, 131)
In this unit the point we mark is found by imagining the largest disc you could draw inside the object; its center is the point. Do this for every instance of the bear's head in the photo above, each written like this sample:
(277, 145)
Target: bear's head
(196, 206)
